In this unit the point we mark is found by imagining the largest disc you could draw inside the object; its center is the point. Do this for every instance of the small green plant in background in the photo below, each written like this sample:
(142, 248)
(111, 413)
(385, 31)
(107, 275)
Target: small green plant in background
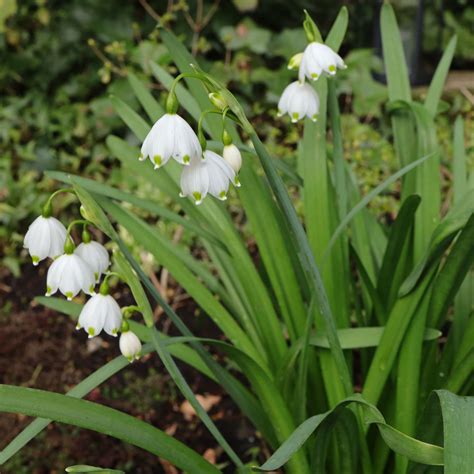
(337, 332)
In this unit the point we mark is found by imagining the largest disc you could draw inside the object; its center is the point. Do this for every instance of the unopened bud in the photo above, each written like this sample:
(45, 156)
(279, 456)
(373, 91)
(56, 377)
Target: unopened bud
(295, 61)
(130, 345)
(217, 100)
(232, 155)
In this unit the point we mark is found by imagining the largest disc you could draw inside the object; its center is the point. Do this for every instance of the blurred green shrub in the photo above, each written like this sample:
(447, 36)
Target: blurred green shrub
(59, 61)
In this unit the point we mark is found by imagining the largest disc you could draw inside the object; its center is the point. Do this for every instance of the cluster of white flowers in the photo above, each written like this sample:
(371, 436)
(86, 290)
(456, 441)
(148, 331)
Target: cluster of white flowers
(204, 172)
(76, 269)
(299, 99)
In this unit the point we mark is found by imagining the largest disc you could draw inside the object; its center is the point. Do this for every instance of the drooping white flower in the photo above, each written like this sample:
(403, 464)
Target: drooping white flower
(171, 137)
(70, 274)
(319, 58)
(211, 175)
(221, 174)
(130, 345)
(101, 312)
(45, 238)
(232, 155)
(298, 100)
(95, 255)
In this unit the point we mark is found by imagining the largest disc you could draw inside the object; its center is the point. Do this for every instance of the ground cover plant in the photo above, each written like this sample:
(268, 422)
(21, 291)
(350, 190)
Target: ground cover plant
(346, 341)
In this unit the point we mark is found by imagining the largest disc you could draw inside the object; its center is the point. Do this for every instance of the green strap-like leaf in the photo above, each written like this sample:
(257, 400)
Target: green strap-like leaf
(363, 203)
(85, 468)
(458, 423)
(102, 419)
(442, 236)
(437, 83)
(414, 449)
(456, 267)
(396, 260)
(144, 96)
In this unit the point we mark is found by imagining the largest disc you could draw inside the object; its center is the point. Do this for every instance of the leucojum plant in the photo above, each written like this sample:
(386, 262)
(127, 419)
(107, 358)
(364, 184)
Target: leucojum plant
(337, 334)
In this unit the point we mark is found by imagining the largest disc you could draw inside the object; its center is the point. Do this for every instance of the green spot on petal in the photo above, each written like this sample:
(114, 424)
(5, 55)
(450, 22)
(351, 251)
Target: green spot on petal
(68, 295)
(332, 68)
(197, 196)
(222, 195)
(114, 332)
(314, 118)
(35, 260)
(96, 276)
(91, 289)
(186, 159)
(295, 116)
(48, 290)
(91, 332)
(157, 160)
(314, 76)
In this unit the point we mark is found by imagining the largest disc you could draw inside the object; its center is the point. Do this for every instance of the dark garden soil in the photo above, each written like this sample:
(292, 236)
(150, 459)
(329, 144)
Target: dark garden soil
(40, 348)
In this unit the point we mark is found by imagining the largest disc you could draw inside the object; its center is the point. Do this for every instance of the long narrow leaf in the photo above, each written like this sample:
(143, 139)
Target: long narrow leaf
(102, 419)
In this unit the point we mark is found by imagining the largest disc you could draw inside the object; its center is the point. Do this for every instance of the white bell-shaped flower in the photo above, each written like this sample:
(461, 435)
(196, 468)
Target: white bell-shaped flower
(232, 155)
(101, 312)
(319, 58)
(130, 345)
(45, 238)
(221, 174)
(95, 255)
(70, 274)
(171, 137)
(298, 100)
(195, 181)
(209, 176)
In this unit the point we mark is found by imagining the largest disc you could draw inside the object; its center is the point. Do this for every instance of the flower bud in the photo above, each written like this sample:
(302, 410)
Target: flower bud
(232, 155)
(295, 61)
(217, 100)
(130, 345)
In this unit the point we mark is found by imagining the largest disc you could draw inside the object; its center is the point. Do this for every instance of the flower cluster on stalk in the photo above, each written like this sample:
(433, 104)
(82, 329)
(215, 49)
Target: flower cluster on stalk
(204, 171)
(299, 99)
(80, 268)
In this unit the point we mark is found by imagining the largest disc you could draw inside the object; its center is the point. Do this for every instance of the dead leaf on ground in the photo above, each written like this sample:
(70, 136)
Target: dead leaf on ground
(206, 401)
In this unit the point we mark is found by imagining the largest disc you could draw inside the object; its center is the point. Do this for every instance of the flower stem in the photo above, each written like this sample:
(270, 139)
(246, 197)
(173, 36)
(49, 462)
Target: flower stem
(48, 206)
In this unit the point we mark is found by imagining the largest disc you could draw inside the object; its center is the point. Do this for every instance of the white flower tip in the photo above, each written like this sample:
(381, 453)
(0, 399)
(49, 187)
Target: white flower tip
(141, 157)
(181, 195)
(69, 298)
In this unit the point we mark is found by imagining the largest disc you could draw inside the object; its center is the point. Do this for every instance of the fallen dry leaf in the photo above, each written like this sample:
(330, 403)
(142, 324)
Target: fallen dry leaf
(210, 455)
(206, 401)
